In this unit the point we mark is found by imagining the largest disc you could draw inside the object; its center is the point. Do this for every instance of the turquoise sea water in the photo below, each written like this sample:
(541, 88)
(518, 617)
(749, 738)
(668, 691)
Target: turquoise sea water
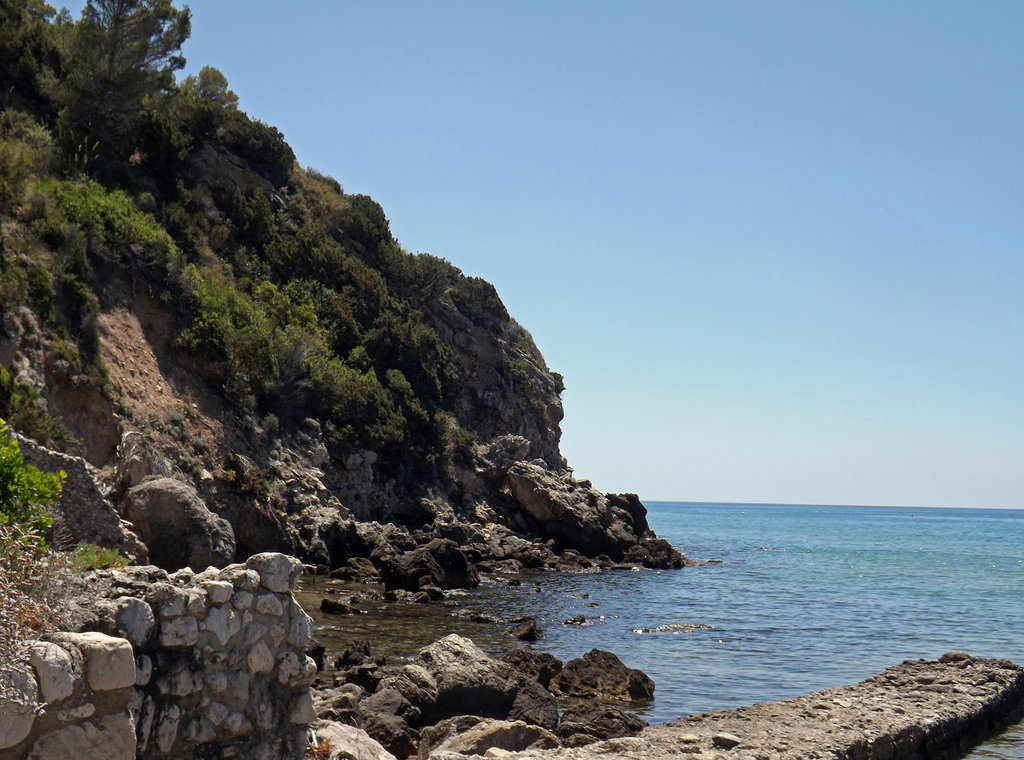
(805, 597)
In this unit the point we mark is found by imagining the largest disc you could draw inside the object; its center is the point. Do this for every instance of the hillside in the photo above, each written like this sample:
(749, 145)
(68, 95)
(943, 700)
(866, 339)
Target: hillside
(228, 353)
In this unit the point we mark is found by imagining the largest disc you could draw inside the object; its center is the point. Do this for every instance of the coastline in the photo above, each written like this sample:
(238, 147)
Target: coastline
(919, 709)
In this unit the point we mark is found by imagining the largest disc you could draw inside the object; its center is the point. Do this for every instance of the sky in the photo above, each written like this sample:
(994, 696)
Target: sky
(776, 249)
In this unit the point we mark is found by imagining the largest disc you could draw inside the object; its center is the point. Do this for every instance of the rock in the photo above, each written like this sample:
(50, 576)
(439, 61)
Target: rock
(349, 743)
(54, 670)
(534, 705)
(726, 741)
(586, 723)
(416, 684)
(511, 736)
(109, 661)
(110, 738)
(439, 563)
(316, 651)
(16, 719)
(389, 718)
(175, 523)
(526, 629)
(355, 653)
(540, 666)
(601, 675)
(278, 572)
(336, 607)
(579, 517)
(465, 677)
(433, 736)
(656, 553)
(338, 703)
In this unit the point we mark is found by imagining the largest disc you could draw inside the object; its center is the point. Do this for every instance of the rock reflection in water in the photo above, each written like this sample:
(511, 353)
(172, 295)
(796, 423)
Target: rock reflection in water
(398, 628)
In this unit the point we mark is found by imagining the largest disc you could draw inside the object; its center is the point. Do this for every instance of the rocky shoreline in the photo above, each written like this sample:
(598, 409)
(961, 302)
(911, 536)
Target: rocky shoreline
(920, 709)
(224, 662)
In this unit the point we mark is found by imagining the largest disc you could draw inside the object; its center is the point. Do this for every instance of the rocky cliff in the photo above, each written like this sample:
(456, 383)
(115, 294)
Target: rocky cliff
(234, 355)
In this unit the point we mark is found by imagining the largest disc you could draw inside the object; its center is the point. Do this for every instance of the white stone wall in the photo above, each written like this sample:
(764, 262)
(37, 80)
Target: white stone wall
(207, 665)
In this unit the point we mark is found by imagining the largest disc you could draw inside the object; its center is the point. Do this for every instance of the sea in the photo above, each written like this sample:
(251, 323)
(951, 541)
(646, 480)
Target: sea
(792, 599)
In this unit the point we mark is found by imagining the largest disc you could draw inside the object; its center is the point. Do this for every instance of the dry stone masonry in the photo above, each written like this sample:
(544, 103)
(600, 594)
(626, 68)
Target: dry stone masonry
(187, 665)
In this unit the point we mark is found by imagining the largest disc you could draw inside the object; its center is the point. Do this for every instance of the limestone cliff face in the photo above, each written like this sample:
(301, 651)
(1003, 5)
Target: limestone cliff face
(505, 387)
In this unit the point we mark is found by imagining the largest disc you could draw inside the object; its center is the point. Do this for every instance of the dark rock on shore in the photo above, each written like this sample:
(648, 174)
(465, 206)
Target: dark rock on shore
(440, 563)
(540, 666)
(588, 723)
(449, 688)
(601, 675)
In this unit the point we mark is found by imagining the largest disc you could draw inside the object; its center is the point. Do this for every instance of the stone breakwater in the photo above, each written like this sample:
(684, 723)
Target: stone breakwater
(915, 711)
(186, 665)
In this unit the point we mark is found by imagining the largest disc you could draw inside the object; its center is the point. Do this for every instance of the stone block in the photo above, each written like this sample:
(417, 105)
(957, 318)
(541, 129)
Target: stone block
(302, 711)
(53, 669)
(135, 620)
(109, 661)
(270, 605)
(241, 577)
(143, 670)
(222, 622)
(16, 720)
(168, 601)
(278, 572)
(260, 659)
(295, 670)
(110, 738)
(218, 592)
(179, 632)
(300, 626)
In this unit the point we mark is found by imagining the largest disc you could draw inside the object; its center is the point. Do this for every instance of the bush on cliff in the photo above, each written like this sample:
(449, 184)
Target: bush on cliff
(26, 566)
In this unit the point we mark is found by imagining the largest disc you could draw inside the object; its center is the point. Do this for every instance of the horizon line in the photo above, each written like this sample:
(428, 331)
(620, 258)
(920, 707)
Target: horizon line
(813, 504)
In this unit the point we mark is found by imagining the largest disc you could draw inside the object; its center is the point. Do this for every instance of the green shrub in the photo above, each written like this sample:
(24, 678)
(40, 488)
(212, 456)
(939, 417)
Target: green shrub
(88, 556)
(26, 494)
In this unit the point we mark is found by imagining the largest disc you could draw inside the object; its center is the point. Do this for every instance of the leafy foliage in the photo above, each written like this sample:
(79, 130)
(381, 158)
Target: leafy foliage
(26, 494)
(86, 556)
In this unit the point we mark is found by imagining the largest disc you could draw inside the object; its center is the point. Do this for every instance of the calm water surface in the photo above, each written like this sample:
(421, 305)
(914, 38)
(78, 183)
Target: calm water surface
(805, 598)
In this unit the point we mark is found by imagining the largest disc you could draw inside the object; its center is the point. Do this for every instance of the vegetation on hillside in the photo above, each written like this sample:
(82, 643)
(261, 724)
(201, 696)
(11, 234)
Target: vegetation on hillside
(27, 567)
(296, 290)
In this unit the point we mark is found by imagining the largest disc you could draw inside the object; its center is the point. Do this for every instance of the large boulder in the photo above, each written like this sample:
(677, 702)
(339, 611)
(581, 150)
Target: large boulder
(540, 666)
(601, 675)
(439, 563)
(176, 525)
(576, 514)
(453, 676)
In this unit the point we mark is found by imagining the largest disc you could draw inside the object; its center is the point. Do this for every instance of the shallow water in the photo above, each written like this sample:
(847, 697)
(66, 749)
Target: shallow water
(804, 598)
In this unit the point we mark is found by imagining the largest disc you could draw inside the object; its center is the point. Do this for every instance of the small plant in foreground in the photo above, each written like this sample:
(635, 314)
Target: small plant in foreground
(88, 556)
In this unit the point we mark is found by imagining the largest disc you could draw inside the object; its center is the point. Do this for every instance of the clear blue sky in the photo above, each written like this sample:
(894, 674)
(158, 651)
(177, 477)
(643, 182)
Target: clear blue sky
(776, 249)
